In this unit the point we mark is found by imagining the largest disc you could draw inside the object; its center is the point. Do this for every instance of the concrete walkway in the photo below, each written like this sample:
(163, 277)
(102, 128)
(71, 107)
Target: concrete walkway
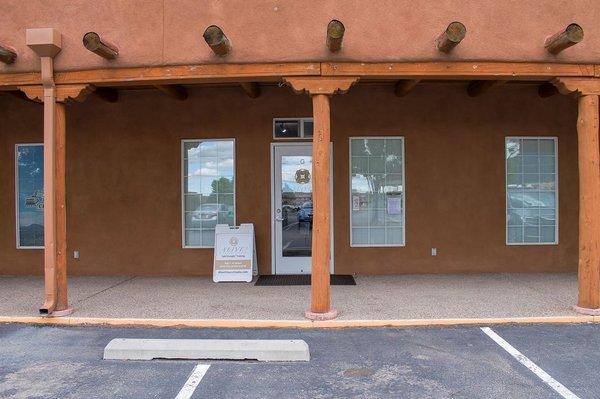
(373, 298)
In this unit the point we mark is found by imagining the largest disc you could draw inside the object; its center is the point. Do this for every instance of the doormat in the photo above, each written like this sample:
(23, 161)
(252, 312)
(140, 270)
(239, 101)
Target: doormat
(301, 279)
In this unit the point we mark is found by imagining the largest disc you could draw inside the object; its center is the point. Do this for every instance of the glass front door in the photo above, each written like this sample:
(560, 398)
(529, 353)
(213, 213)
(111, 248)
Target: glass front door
(293, 208)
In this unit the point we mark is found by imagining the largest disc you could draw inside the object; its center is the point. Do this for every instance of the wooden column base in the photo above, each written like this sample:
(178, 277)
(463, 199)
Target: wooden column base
(331, 314)
(586, 311)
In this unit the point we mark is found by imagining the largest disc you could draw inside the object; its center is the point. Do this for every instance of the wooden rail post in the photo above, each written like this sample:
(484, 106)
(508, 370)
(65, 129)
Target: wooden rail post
(588, 274)
(321, 89)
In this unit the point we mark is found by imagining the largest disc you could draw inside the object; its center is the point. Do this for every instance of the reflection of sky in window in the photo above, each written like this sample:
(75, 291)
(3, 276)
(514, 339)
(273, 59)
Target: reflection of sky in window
(289, 165)
(206, 162)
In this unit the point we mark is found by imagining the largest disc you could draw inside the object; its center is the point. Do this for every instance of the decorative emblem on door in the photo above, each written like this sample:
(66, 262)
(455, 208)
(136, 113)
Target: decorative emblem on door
(302, 176)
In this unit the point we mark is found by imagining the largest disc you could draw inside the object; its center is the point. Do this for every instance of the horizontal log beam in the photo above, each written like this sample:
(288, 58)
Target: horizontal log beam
(177, 92)
(404, 86)
(454, 34)
(8, 55)
(266, 72)
(458, 70)
(335, 35)
(572, 35)
(252, 89)
(217, 41)
(96, 45)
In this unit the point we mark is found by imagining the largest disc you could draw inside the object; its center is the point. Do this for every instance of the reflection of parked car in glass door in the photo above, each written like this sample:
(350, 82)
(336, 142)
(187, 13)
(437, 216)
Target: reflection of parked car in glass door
(305, 214)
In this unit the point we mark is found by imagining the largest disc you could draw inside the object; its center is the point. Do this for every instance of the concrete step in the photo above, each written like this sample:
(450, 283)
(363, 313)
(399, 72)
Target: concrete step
(267, 350)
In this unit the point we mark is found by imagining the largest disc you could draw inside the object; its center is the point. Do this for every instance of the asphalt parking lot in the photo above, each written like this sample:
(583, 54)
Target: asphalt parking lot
(460, 362)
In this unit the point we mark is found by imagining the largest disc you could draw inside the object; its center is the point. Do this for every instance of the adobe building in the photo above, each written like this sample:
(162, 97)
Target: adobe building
(396, 138)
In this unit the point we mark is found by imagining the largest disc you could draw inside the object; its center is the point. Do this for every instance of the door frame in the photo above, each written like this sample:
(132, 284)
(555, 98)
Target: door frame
(271, 215)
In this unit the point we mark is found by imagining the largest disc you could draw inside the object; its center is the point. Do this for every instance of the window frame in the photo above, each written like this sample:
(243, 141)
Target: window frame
(301, 131)
(17, 225)
(182, 182)
(403, 244)
(556, 191)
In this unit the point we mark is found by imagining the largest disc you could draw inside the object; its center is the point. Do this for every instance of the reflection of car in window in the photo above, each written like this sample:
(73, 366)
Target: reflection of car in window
(528, 209)
(209, 214)
(305, 214)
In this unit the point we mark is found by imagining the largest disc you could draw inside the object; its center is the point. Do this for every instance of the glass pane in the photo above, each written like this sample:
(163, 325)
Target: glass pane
(209, 186)
(377, 191)
(289, 128)
(533, 207)
(308, 128)
(30, 195)
(296, 205)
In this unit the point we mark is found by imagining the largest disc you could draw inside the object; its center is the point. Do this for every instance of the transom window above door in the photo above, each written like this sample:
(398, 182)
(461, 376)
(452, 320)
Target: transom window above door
(293, 128)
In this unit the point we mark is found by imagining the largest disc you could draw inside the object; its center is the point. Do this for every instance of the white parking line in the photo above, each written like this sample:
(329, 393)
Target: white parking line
(192, 383)
(547, 378)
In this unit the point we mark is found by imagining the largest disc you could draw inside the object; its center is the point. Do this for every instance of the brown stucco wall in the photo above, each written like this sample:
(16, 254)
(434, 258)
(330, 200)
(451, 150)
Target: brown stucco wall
(124, 183)
(160, 32)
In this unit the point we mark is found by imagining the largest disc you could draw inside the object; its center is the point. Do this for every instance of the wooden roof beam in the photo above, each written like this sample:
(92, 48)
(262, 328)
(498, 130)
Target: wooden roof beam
(217, 41)
(95, 44)
(454, 34)
(8, 55)
(404, 86)
(335, 35)
(252, 89)
(177, 92)
(478, 87)
(572, 35)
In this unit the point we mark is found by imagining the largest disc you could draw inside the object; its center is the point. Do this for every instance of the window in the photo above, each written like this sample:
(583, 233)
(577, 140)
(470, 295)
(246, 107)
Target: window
(377, 191)
(531, 190)
(293, 128)
(29, 173)
(208, 189)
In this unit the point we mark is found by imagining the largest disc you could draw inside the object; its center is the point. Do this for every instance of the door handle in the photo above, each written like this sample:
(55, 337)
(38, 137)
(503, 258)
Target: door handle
(277, 217)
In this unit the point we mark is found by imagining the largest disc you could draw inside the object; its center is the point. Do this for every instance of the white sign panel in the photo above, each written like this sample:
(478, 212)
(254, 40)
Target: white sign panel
(235, 253)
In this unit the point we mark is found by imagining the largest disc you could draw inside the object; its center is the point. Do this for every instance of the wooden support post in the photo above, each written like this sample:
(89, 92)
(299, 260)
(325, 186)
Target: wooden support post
(217, 41)
(404, 86)
(454, 34)
(60, 206)
(321, 238)
(252, 89)
(8, 55)
(588, 127)
(177, 92)
(478, 87)
(572, 35)
(321, 89)
(92, 42)
(335, 35)
(589, 205)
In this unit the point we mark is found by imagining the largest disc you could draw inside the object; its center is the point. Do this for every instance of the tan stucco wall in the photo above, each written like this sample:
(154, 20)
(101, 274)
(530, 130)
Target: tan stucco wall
(155, 32)
(124, 165)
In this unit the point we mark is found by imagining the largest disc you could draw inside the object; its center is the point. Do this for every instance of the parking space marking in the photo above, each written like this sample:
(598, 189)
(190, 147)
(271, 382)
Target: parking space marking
(192, 383)
(524, 360)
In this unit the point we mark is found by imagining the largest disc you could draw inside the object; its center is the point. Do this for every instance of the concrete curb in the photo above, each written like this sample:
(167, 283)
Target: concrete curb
(262, 350)
(247, 323)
